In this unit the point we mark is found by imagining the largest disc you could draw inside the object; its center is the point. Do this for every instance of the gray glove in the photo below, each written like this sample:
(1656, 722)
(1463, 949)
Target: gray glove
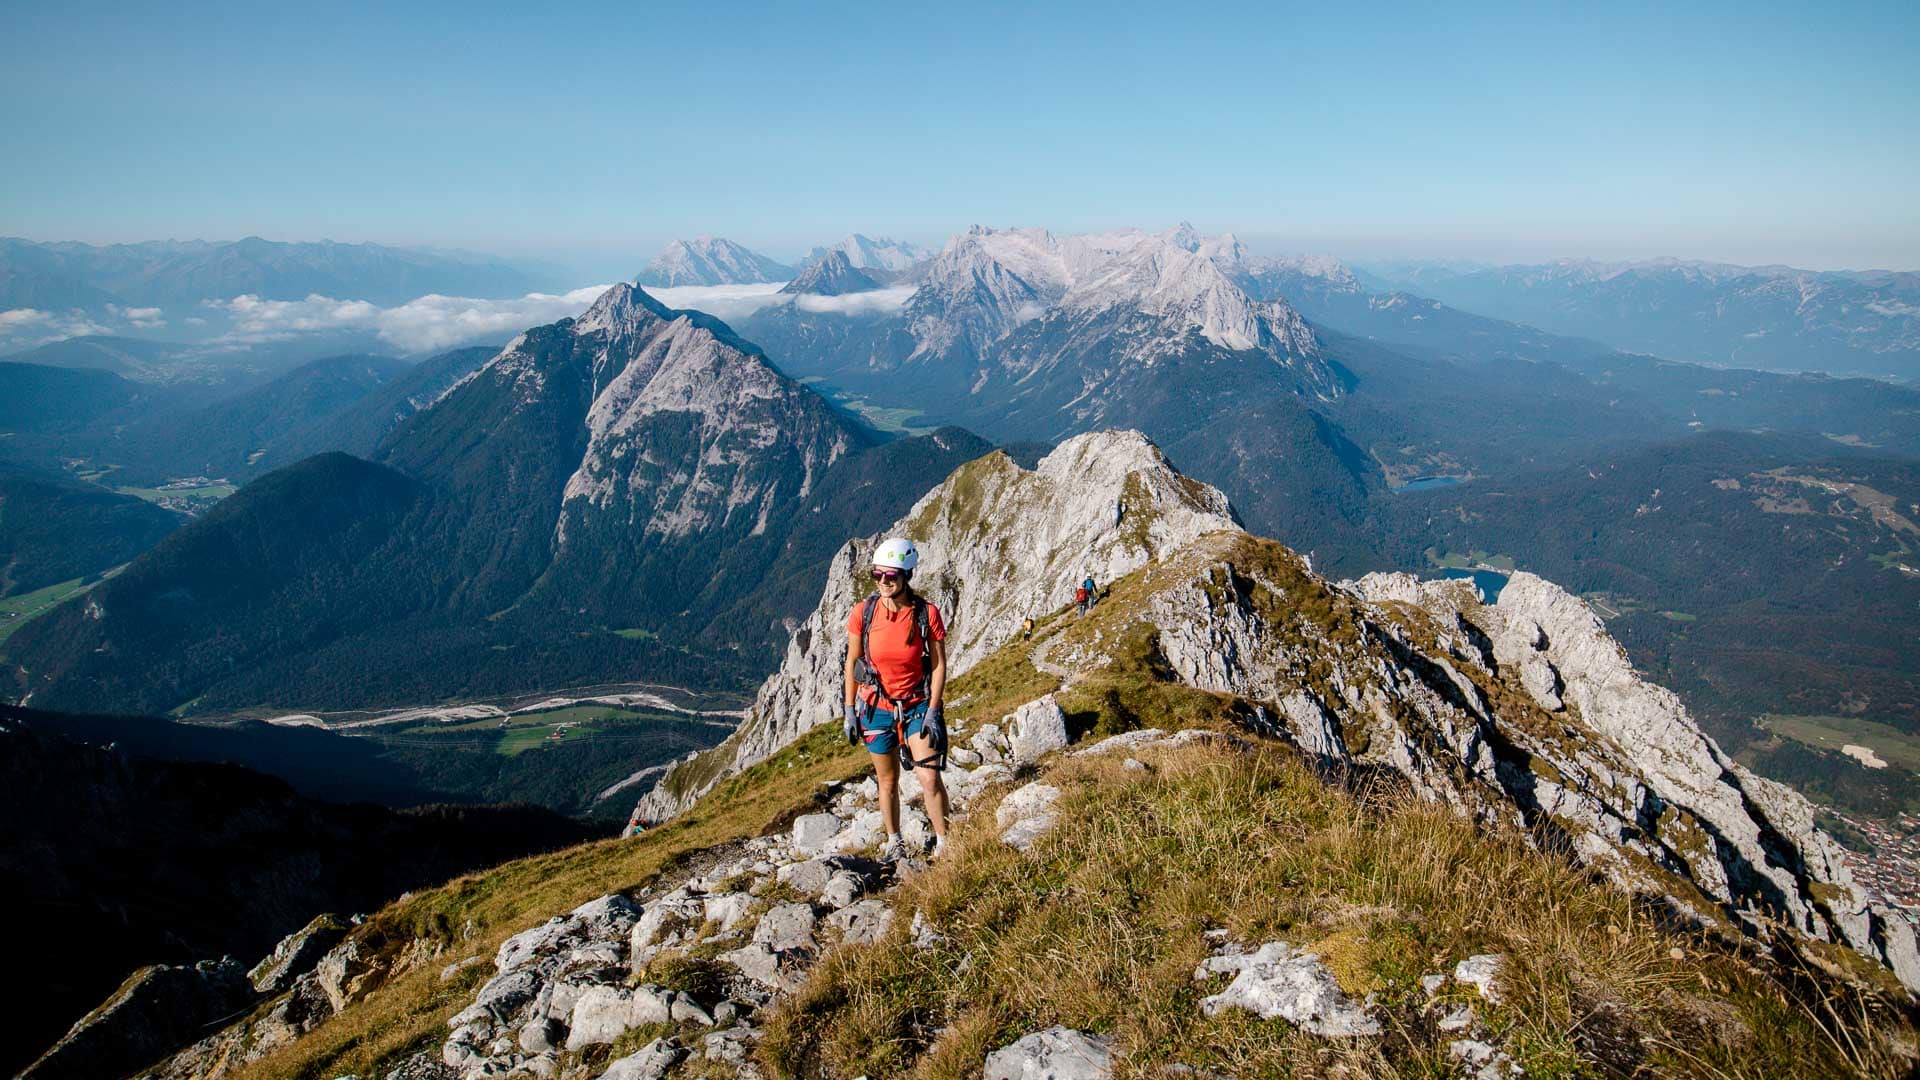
(936, 727)
(850, 727)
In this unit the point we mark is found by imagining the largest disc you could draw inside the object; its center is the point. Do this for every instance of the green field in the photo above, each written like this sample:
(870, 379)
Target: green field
(637, 633)
(894, 420)
(1472, 560)
(530, 731)
(213, 492)
(1832, 732)
(16, 611)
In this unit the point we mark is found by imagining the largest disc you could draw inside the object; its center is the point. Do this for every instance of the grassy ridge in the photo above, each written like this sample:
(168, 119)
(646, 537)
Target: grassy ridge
(1101, 926)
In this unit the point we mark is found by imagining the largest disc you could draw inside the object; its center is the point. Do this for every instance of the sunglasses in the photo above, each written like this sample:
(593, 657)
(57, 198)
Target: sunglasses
(887, 575)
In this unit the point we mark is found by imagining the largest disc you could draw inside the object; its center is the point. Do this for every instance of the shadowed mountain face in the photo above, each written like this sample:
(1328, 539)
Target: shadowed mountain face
(597, 499)
(53, 529)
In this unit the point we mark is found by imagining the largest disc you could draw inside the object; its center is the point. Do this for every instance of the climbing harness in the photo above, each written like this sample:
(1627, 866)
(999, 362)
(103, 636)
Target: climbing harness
(865, 675)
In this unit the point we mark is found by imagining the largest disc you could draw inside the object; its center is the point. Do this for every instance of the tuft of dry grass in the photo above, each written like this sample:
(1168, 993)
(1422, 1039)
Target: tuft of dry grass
(1101, 924)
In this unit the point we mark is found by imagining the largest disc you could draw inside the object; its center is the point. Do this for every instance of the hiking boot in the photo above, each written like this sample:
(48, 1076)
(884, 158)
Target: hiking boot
(893, 850)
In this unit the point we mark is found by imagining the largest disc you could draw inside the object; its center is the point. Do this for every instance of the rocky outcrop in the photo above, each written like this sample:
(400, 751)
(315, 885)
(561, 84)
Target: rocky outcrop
(154, 1011)
(999, 544)
(297, 954)
(1523, 711)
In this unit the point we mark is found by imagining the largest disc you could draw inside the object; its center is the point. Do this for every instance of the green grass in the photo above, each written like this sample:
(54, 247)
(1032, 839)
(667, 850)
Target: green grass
(637, 633)
(17, 611)
(1472, 560)
(528, 731)
(1896, 747)
(889, 419)
(154, 495)
(1100, 926)
(1679, 616)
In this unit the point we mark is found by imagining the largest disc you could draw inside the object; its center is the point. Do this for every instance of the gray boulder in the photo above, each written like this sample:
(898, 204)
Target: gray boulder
(651, 1062)
(1026, 813)
(296, 954)
(1274, 981)
(1058, 1053)
(786, 926)
(1036, 729)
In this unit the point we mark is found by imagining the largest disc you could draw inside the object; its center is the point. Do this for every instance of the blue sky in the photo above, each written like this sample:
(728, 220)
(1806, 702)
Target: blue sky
(590, 135)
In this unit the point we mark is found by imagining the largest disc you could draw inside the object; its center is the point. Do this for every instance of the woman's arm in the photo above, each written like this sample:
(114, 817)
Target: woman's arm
(939, 678)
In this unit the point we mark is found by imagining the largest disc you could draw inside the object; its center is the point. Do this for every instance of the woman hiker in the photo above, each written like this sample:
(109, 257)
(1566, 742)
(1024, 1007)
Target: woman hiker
(896, 673)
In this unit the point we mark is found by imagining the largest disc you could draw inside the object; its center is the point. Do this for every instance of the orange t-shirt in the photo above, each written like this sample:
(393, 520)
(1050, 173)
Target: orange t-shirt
(892, 654)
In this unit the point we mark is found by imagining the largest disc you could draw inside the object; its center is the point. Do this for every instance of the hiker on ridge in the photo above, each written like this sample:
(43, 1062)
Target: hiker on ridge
(896, 674)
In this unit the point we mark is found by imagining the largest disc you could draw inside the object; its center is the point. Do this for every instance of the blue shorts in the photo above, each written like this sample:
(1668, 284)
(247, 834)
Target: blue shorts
(882, 732)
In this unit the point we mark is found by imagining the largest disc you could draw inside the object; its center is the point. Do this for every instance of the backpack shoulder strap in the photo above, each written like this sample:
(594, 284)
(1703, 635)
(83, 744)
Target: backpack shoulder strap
(866, 623)
(923, 625)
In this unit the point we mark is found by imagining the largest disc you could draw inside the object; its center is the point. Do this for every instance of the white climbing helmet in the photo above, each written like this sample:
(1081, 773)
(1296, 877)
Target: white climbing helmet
(897, 552)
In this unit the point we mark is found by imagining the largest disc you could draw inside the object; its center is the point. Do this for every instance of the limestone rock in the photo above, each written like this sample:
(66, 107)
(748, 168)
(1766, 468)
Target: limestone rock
(1274, 981)
(1058, 1053)
(346, 974)
(1480, 972)
(812, 833)
(786, 926)
(296, 954)
(863, 922)
(1037, 728)
(602, 1014)
(1026, 813)
(651, 1062)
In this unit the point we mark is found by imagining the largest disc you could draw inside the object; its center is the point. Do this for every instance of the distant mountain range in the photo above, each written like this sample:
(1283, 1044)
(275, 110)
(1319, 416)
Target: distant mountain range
(1770, 317)
(710, 260)
(173, 274)
(833, 274)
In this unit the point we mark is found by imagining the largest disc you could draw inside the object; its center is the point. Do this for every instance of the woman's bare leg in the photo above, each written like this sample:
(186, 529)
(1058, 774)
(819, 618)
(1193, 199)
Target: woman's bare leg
(932, 787)
(886, 773)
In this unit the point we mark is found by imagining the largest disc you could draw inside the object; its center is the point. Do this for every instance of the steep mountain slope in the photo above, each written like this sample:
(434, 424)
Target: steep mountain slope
(604, 500)
(53, 529)
(291, 561)
(362, 425)
(1768, 317)
(710, 260)
(151, 861)
(831, 275)
(40, 398)
(999, 544)
(253, 432)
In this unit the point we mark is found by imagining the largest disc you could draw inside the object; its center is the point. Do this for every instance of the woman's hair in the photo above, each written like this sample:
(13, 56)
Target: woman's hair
(907, 595)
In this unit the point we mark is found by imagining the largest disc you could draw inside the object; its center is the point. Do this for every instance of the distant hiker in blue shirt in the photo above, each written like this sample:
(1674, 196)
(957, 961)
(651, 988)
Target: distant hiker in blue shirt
(1086, 590)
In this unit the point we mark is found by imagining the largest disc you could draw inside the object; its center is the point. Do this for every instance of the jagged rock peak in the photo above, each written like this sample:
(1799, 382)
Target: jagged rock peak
(999, 544)
(995, 279)
(833, 275)
(622, 309)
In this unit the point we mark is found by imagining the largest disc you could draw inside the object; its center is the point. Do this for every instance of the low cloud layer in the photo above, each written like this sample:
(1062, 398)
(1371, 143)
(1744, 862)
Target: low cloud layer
(428, 324)
(24, 328)
(424, 325)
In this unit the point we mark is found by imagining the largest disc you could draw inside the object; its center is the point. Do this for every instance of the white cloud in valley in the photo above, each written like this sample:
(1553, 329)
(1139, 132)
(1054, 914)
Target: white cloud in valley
(24, 328)
(426, 324)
